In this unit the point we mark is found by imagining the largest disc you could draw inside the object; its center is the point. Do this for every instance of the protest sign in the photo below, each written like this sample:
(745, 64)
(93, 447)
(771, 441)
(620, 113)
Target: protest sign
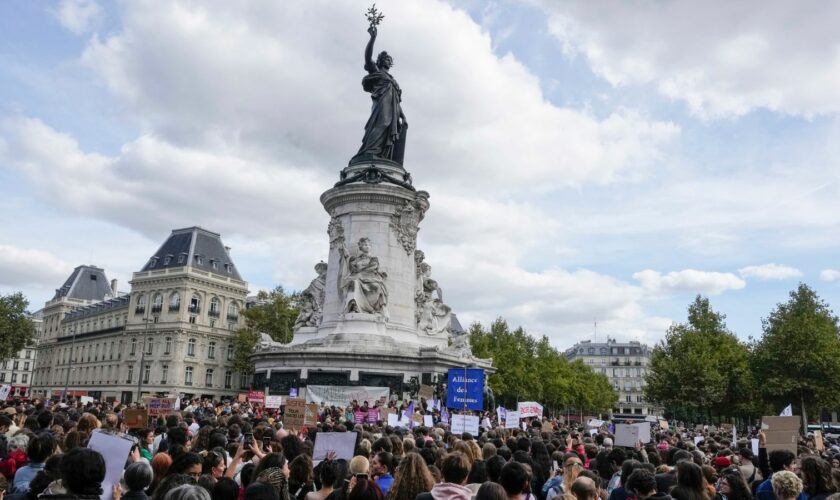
(373, 415)
(293, 393)
(85, 400)
(782, 433)
(427, 392)
(530, 409)
(359, 417)
(242, 397)
(393, 420)
(644, 432)
(464, 423)
(754, 446)
(114, 450)
(626, 435)
(384, 413)
(698, 439)
(310, 414)
(818, 441)
(500, 414)
(595, 423)
(336, 395)
(5, 389)
(136, 419)
(255, 396)
(273, 401)
(511, 419)
(342, 443)
(295, 411)
(161, 407)
(465, 389)
(417, 419)
(428, 421)
(663, 424)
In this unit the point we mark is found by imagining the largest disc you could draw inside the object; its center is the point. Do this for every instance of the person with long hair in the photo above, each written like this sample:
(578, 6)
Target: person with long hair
(690, 483)
(816, 478)
(411, 478)
(733, 487)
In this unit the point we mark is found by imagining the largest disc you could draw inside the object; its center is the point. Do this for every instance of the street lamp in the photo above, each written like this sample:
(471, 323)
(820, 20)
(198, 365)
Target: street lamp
(140, 373)
(71, 359)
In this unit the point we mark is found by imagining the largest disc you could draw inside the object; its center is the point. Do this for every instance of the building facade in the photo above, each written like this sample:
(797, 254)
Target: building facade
(625, 364)
(172, 334)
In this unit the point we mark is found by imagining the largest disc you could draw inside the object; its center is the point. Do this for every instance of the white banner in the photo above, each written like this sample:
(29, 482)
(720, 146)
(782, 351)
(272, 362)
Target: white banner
(512, 419)
(332, 395)
(274, 402)
(530, 409)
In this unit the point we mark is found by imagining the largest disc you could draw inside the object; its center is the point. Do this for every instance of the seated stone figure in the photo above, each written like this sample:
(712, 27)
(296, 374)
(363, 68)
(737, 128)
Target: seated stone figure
(362, 284)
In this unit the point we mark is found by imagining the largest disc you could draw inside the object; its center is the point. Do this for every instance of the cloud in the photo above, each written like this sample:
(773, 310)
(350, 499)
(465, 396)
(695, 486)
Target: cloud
(767, 272)
(721, 62)
(688, 280)
(830, 275)
(21, 267)
(78, 16)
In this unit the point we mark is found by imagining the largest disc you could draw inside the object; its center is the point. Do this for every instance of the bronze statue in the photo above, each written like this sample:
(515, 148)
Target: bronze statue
(385, 130)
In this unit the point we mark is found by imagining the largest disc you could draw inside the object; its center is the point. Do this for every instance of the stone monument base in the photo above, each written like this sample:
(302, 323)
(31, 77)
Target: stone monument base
(362, 359)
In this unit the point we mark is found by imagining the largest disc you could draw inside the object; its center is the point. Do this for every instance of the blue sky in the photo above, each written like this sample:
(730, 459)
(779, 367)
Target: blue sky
(587, 161)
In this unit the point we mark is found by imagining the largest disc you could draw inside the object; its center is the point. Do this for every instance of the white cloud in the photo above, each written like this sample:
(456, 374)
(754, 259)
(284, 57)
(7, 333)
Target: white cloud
(688, 280)
(78, 16)
(830, 275)
(723, 59)
(27, 267)
(771, 271)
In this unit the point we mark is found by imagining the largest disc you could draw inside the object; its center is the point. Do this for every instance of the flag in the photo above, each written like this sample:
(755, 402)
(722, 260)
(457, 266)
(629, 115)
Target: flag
(787, 412)
(409, 413)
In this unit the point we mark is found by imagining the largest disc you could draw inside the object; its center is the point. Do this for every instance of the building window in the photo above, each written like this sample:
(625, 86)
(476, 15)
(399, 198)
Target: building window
(188, 373)
(233, 312)
(230, 352)
(141, 305)
(153, 262)
(192, 319)
(174, 302)
(24, 378)
(28, 354)
(208, 378)
(244, 380)
(157, 303)
(213, 312)
(133, 347)
(164, 374)
(191, 347)
(628, 398)
(149, 344)
(167, 260)
(228, 379)
(15, 365)
(211, 350)
(167, 346)
(195, 304)
(130, 374)
(198, 259)
(639, 398)
(2, 377)
(214, 264)
(147, 370)
(26, 366)
(14, 378)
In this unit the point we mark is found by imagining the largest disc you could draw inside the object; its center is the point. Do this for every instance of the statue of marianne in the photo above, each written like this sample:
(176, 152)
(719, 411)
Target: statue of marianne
(385, 130)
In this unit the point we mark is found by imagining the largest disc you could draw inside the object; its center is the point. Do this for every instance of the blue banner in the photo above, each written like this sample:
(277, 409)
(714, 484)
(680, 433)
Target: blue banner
(465, 389)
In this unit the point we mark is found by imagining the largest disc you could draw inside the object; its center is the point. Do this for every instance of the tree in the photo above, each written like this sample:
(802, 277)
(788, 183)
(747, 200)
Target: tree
(797, 358)
(16, 328)
(700, 365)
(531, 369)
(274, 314)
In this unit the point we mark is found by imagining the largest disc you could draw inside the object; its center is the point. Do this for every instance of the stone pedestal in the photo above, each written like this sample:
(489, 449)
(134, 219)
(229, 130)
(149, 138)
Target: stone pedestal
(354, 342)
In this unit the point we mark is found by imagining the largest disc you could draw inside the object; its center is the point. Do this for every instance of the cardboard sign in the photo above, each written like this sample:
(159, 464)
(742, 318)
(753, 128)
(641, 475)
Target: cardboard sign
(136, 419)
(663, 424)
(310, 414)
(160, 407)
(242, 397)
(427, 392)
(464, 423)
(273, 401)
(417, 419)
(818, 441)
(511, 419)
(295, 413)
(782, 433)
(256, 396)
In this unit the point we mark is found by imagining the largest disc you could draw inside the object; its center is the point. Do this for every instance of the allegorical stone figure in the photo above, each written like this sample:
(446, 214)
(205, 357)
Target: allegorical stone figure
(361, 283)
(312, 299)
(385, 130)
(433, 316)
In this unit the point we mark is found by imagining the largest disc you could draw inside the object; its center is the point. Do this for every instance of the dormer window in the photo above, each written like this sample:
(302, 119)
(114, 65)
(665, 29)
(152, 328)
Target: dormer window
(227, 267)
(167, 260)
(181, 258)
(198, 259)
(153, 262)
(214, 264)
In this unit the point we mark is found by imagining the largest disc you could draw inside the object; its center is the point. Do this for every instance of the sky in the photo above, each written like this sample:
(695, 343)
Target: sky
(592, 166)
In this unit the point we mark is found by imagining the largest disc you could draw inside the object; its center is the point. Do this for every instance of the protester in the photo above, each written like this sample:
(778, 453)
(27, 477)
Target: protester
(786, 485)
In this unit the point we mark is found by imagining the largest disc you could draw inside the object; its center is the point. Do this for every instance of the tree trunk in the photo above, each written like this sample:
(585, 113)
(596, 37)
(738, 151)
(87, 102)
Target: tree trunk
(804, 415)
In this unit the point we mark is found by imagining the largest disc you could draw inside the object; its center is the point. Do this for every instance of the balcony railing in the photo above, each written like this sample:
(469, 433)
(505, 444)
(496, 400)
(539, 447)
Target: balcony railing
(213, 314)
(194, 309)
(139, 309)
(157, 308)
(233, 317)
(174, 307)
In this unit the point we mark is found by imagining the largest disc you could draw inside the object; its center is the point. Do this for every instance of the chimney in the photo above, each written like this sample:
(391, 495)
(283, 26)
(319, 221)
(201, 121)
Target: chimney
(114, 287)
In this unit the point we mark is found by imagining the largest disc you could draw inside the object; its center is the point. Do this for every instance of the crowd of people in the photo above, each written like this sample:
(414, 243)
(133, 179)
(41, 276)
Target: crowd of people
(231, 451)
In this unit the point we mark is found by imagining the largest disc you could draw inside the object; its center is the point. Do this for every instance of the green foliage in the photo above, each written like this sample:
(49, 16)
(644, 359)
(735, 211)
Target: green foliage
(797, 358)
(700, 365)
(16, 329)
(274, 314)
(532, 370)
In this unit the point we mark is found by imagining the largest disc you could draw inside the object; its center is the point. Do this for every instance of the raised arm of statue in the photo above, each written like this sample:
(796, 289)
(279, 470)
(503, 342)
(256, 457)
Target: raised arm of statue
(370, 66)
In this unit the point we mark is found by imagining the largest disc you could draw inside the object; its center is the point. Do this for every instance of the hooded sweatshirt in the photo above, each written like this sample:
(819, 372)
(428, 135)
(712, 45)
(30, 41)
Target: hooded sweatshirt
(450, 491)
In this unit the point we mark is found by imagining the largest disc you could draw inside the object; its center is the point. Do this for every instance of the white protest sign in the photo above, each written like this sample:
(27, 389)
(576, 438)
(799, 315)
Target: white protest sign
(393, 421)
(754, 443)
(626, 435)
(464, 423)
(530, 409)
(273, 401)
(512, 419)
(595, 423)
(485, 422)
(115, 450)
(342, 443)
(5, 389)
(644, 432)
(428, 421)
(335, 395)
(697, 439)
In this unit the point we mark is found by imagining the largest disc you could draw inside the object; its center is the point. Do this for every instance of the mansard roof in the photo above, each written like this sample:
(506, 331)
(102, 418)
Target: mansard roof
(197, 248)
(86, 283)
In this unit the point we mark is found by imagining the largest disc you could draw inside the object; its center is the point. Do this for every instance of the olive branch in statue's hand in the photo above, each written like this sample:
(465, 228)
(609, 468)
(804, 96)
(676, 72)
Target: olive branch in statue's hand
(374, 17)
